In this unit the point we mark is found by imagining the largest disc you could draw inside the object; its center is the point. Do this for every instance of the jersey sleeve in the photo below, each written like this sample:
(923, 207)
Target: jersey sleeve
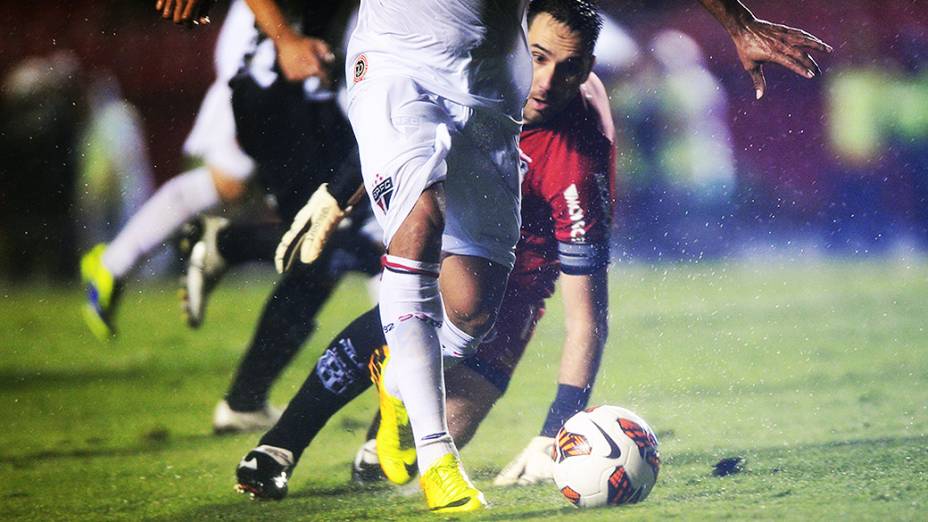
(581, 203)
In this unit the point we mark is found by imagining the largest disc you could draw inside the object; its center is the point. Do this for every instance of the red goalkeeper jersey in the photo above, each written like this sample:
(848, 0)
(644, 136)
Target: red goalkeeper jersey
(568, 194)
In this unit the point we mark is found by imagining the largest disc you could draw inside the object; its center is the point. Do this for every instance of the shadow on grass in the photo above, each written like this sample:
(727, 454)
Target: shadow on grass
(356, 505)
(347, 488)
(551, 513)
(147, 446)
(774, 452)
(67, 379)
(348, 503)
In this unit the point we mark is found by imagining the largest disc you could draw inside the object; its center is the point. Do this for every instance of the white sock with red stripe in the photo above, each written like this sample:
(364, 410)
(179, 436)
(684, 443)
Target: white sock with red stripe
(411, 314)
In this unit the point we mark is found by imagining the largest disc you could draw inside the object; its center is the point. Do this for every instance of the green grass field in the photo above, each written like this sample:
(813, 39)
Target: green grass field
(815, 373)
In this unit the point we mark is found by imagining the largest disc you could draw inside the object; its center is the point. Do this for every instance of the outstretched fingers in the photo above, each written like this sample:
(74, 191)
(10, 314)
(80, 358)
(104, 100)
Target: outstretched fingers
(800, 62)
(800, 38)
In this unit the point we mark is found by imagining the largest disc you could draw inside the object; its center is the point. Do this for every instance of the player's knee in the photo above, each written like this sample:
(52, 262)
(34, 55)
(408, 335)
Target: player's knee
(230, 189)
(468, 318)
(476, 320)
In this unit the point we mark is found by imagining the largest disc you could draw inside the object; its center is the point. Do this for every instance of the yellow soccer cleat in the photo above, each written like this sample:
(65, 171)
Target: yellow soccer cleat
(447, 488)
(396, 447)
(102, 293)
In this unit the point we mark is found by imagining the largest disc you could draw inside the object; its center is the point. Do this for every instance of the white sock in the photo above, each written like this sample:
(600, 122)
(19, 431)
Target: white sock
(178, 200)
(456, 344)
(410, 311)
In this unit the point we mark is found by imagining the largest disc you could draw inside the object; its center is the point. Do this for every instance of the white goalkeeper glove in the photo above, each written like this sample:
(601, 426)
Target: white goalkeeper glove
(311, 229)
(533, 466)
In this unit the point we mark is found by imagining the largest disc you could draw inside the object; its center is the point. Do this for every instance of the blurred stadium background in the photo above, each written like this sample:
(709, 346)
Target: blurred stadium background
(97, 98)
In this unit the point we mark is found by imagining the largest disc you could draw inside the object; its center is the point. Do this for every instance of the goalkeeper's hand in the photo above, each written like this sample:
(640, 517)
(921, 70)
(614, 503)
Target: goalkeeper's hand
(533, 466)
(311, 229)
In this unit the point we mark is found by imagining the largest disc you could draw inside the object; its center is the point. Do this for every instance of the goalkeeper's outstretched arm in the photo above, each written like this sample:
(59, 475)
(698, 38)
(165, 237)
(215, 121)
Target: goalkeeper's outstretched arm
(759, 42)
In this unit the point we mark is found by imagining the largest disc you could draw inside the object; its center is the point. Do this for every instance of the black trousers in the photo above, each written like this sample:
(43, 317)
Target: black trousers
(297, 144)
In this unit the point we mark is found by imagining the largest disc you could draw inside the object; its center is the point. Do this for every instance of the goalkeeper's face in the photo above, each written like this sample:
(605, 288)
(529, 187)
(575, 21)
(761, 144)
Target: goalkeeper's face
(560, 65)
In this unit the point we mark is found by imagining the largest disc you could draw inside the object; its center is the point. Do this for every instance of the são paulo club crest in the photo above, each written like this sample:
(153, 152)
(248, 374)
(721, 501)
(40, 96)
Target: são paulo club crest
(383, 192)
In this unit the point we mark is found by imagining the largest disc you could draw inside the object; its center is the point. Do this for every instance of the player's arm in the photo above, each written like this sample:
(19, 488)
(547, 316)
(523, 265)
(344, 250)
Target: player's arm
(581, 212)
(586, 306)
(298, 56)
(758, 42)
(586, 311)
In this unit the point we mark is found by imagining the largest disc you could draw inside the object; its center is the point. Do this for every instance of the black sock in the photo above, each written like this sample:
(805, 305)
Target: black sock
(339, 376)
(247, 242)
(569, 400)
(287, 321)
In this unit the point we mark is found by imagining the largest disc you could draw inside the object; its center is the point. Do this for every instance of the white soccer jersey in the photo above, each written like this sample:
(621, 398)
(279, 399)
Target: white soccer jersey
(472, 52)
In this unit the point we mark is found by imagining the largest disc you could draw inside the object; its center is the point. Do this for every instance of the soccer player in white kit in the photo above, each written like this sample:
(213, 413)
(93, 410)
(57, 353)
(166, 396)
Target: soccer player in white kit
(222, 177)
(436, 92)
(435, 99)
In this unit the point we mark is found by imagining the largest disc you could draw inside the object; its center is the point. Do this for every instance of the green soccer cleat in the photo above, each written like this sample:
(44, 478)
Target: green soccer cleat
(102, 294)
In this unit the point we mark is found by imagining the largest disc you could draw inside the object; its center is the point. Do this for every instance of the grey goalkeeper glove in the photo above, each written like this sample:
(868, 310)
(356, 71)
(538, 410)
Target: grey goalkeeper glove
(311, 229)
(533, 466)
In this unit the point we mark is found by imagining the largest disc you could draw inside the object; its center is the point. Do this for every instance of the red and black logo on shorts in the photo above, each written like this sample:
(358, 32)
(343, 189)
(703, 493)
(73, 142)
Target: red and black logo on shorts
(360, 68)
(383, 193)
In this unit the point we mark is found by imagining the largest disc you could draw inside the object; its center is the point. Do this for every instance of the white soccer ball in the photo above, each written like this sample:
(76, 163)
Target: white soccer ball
(605, 455)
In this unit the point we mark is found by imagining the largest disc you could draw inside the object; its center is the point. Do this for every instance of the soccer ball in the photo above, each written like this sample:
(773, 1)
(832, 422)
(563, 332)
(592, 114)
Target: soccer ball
(605, 455)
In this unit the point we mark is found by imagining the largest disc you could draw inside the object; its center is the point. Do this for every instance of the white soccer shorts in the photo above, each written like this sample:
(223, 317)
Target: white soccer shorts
(213, 135)
(410, 139)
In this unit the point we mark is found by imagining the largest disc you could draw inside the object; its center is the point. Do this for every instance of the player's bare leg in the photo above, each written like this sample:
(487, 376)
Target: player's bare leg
(472, 289)
(412, 385)
(419, 237)
(230, 188)
(470, 399)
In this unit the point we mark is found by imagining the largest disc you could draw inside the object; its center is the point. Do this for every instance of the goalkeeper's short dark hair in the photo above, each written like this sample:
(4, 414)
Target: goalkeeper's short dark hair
(581, 16)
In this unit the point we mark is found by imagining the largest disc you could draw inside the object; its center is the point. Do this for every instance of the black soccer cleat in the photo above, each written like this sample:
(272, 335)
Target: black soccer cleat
(205, 266)
(366, 467)
(263, 473)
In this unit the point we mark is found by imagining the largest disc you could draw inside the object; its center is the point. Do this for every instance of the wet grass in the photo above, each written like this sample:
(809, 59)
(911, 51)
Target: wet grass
(813, 373)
